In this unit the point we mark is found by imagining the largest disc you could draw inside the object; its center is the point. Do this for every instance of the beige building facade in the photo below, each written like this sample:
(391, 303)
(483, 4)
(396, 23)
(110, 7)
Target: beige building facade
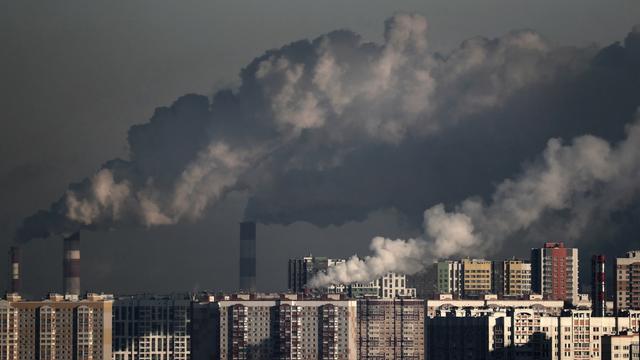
(627, 281)
(621, 347)
(476, 277)
(57, 328)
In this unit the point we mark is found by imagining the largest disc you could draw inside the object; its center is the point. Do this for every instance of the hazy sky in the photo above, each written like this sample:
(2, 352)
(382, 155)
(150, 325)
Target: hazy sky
(75, 75)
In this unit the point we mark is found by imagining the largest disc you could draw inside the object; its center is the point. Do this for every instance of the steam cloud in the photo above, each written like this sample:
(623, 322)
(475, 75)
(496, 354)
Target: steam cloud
(329, 130)
(191, 154)
(587, 178)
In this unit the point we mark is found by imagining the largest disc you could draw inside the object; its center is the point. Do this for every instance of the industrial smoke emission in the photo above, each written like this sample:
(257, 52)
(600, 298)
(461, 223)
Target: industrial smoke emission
(331, 129)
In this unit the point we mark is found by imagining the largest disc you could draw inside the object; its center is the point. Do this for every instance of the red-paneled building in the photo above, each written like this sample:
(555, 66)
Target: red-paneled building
(554, 271)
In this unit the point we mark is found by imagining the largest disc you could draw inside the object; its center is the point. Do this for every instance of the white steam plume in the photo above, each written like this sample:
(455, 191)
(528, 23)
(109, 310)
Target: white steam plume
(585, 178)
(215, 170)
(349, 89)
(336, 90)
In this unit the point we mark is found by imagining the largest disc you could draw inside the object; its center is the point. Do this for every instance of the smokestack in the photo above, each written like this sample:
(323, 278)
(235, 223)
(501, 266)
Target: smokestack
(598, 286)
(248, 256)
(14, 269)
(71, 265)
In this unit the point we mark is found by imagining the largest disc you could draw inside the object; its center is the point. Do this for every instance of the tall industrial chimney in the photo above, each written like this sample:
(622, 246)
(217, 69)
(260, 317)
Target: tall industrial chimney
(248, 256)
(598, 286)
(71, 265)
(14, 269)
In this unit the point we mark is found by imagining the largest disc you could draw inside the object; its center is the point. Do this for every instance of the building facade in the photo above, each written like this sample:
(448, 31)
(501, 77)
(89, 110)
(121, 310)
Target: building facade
(554, 272)
(622, 346)
(472, 334)
(535, 303)
(476, 277)
(511, 278)
(152, 327)
(627, 281)
(287, 328)
(449, 273)
(56, 328)
(394, 285)
(300, 271)
(390, 286)
(390, 329)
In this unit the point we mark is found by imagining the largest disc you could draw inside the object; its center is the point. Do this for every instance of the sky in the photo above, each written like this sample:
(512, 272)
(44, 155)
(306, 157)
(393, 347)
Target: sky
(76, 76)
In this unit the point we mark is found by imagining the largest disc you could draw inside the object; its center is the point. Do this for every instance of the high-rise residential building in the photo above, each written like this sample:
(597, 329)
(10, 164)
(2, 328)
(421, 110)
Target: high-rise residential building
(287, 328)
(511, 278)
(205, 328)
(554, 272)
(302, 270)
(247, 329)
(449, 273)
(469, 278)
(628, 281)
(394, 285)
(620, 347)
(425, 281)
(598, 285)
(311, 329)
(152, 327)
(476, 277)
(390, 329)
(494, 333)
(299, 271)
(56, 328)
(389, 286)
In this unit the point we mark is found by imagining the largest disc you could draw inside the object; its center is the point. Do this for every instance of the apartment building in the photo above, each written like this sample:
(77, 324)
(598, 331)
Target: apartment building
(449, 273)
(620, 347)
(300, 271)
(56, 328)
(389, 286)
(311, 329)
(476, 277)
(390, 329)
(247, 329)
(521, 334)
(511, 278)
(394, 285)
(287, 328)
(205, 327)
(152, 327)
(627, 272)
(472, 278)
(554, 272)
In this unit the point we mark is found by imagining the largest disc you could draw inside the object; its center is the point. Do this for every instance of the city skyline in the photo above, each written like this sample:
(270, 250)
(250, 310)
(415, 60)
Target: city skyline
(341, 160)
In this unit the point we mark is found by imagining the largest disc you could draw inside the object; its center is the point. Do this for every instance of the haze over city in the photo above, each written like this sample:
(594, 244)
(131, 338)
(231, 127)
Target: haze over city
(461, 128)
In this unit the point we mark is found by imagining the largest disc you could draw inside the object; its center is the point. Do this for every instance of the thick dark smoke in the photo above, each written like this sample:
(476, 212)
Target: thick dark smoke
(327, 131)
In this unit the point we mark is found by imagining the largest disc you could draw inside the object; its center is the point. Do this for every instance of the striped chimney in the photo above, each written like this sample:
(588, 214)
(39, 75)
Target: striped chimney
(598, 286)
(14, 269)
(71, 265)
(248, 256)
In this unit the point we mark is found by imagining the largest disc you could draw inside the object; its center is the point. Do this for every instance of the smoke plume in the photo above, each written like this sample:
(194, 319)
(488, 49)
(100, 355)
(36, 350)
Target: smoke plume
(330, 129)
(189, 155)
(586, 178)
